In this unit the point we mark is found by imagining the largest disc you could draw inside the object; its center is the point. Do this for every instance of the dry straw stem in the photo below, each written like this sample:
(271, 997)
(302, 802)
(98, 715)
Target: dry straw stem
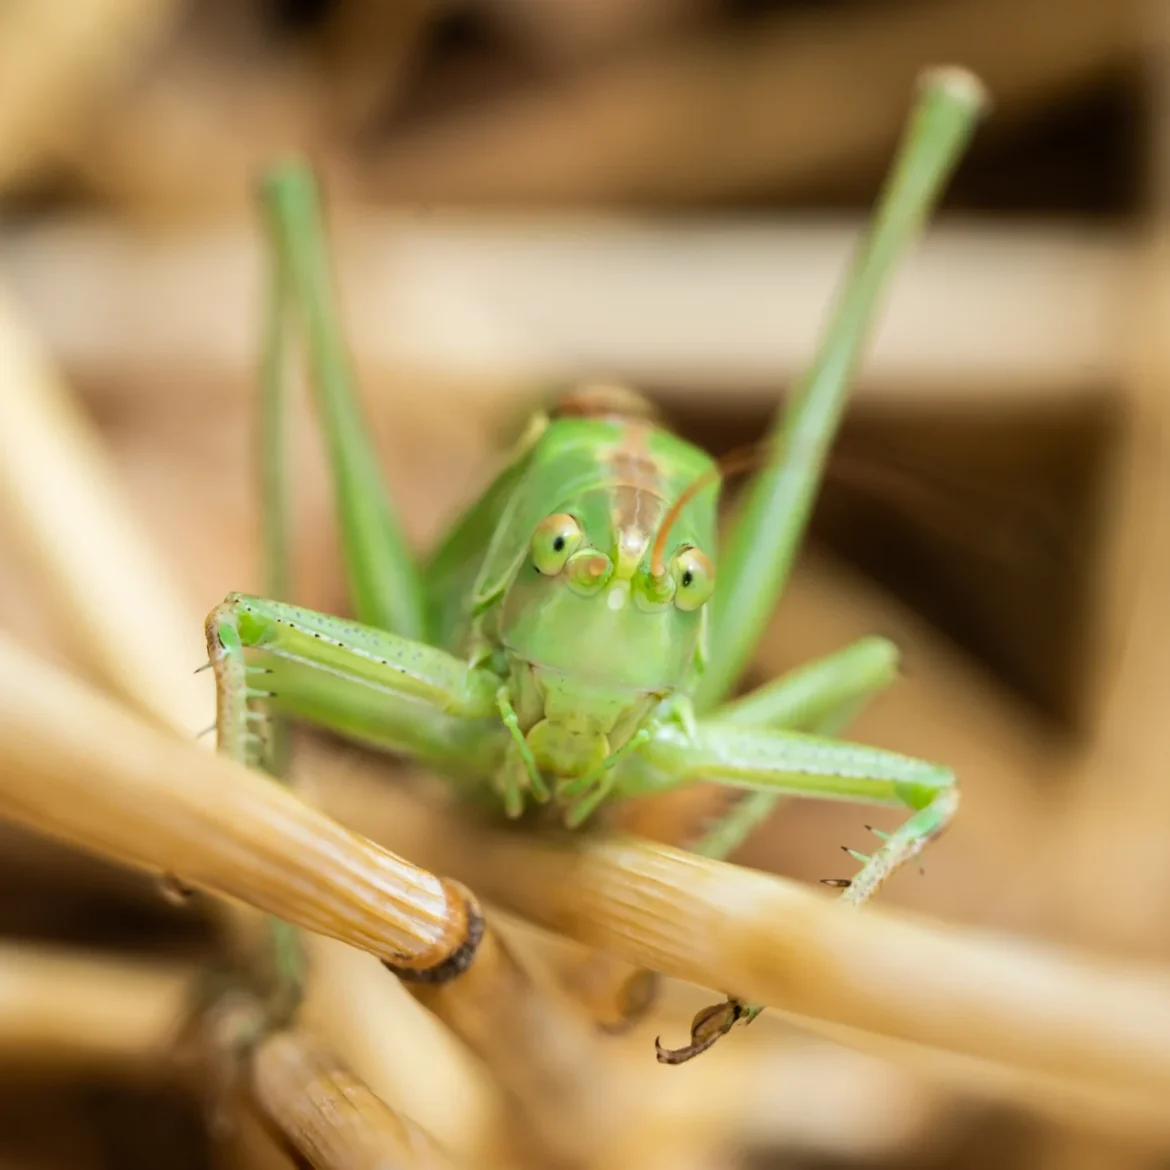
(768, 1091)
(108, 582)
(616, 994)
(329, 1114)
(1015, 311)
(76, 765)
(371, 49)
(402, 1052)
(56, 58)
(779, 107)
(1092, 1107)
(777, 942)
(1107, 839)
(547, 1058)
(100, 573)
(70, 1011)
(76, 1013)
(109, 585)
(359, 795)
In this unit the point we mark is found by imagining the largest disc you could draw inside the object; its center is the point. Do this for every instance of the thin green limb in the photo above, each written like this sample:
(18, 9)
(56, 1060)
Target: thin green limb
(512, 788)
(289, 960)
(773, 761)
(365, 683)
(823, 698)
(803, 698)
(275, 374)
(806, 765)
(764, 759)
(273, 660)
(759, 556)
(383, 579)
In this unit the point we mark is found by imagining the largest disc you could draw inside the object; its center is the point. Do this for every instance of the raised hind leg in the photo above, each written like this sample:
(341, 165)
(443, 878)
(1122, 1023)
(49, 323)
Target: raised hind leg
(763, 546)
(384, 581)
(756, 561)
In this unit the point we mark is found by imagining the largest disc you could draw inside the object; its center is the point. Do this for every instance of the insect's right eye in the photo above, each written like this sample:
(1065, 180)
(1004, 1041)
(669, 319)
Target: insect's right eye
(556, 538)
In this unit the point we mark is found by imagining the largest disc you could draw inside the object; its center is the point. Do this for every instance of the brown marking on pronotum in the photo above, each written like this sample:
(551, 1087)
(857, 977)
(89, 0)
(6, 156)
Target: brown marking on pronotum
(636, 483)
(465, 923)
(741, 459)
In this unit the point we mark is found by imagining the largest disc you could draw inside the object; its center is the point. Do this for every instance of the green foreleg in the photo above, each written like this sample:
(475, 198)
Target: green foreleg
(383, 579)
(777, 762)
(765, 760)
(361, 682)
(756, 562)
(823, 698)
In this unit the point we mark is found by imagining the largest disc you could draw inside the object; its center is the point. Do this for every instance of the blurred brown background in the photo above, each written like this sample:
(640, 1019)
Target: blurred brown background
(663, 191)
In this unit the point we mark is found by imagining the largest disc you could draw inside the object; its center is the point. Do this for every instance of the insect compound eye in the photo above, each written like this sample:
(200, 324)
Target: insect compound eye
(694, 578)
(556, 538)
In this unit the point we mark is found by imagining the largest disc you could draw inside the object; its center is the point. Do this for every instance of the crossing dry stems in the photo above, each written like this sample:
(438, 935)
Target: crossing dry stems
(78, 765)
(100, 573)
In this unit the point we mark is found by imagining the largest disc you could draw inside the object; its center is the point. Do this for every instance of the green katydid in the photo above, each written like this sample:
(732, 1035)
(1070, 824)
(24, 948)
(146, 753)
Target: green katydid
(567, 642)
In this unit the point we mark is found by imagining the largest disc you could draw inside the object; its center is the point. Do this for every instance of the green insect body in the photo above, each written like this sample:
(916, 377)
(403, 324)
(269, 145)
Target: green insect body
(588, 639)
(568, 642)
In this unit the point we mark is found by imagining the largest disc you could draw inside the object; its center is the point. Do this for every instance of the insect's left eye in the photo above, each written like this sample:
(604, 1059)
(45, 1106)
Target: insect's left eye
(556, 538)
(694, 579)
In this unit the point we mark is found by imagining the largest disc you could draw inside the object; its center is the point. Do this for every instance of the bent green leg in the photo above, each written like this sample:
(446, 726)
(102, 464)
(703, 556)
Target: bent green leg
(758, 558)
(769, 762)
(822, 697)
(364, 683)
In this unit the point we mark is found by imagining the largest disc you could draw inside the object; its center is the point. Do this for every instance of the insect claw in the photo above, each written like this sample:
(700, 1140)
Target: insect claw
(206, 731)
(201, 669)
(837, 883)
(707, 1026)
(878, 833)
(862, 857)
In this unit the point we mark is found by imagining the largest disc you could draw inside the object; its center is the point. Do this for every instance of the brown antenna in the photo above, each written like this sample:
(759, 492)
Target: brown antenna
(734, 462)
